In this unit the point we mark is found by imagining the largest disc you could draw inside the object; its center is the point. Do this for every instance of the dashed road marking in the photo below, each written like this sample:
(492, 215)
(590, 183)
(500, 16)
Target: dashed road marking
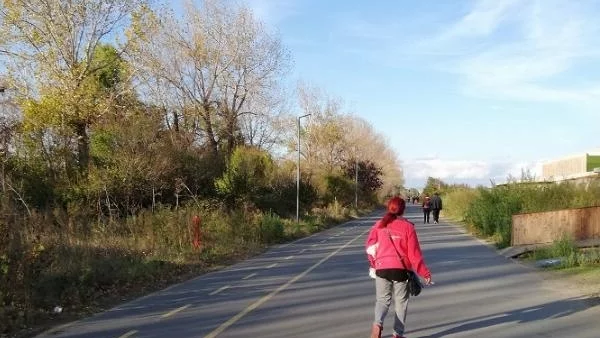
(250, 276)
(219, 290)
(264, 299)
(179, 309)
(272, 266)
(129, 334)
(289, 257)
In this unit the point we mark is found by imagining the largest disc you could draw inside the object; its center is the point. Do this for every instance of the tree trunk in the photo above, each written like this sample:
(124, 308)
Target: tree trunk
(210, 133)
(231, 139)
(83, 147)
(175, 121)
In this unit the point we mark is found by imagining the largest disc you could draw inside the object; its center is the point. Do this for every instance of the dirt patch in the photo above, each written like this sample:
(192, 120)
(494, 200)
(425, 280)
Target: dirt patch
(575, 282)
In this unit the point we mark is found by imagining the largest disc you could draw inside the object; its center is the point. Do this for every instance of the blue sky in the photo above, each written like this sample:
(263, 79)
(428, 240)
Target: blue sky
(466, 91)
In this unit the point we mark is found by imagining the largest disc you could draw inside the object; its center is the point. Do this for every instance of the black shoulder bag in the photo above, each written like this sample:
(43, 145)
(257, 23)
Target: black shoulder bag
(413, 284)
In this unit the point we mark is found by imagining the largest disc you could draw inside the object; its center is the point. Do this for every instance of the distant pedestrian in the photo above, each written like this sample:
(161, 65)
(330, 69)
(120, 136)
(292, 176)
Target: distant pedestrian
(436, 207)
(426, 209)
(393, 249)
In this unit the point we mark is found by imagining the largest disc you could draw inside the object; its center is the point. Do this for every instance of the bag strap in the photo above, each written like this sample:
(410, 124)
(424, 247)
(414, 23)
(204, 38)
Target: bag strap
(398, 253)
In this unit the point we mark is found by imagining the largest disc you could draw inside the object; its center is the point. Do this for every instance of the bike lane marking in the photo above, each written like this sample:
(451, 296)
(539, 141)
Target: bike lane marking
(264, 299)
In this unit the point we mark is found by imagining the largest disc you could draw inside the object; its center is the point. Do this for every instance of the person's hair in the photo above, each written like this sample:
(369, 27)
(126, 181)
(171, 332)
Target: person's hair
(395, 208)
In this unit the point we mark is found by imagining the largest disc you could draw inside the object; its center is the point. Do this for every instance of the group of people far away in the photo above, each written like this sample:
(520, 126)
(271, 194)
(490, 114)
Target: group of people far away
(393, 251)
(432, 205)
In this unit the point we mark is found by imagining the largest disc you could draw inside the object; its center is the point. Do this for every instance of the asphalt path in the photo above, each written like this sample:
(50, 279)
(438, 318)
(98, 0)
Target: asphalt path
(319, 287)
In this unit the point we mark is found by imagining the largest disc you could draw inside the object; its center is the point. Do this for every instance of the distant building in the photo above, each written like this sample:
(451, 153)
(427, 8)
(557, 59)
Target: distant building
(572, 167)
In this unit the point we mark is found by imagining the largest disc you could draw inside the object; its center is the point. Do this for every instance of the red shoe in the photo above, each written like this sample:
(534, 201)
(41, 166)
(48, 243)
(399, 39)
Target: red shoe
(376, 331)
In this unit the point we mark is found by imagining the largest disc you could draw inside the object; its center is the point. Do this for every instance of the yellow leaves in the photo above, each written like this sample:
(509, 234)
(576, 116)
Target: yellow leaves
(143, 21)
(38, 115)
(12, 10)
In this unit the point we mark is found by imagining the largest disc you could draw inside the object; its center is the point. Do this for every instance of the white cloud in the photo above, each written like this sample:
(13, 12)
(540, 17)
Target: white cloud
(472, 172)
(514, 50)
(447, 169)
(482, 20)
(528, 46)
(517, 170)
(273, 11)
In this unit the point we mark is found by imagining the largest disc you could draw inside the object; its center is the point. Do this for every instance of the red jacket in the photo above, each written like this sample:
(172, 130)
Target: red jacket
(381, 252)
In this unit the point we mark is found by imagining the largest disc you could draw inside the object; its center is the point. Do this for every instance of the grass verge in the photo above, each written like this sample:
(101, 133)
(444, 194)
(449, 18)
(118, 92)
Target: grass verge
(92, 274)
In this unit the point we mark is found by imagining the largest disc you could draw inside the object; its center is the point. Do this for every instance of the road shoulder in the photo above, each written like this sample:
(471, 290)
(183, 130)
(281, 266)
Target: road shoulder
(573, 282)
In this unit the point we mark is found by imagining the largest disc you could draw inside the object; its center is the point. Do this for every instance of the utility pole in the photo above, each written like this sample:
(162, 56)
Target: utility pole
(298, 171)
(355, 180)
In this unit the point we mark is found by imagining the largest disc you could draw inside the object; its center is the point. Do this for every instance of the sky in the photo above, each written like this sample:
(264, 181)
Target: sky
(465, 91)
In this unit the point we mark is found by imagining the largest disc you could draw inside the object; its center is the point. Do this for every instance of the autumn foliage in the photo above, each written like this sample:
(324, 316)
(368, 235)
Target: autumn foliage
(121, 121)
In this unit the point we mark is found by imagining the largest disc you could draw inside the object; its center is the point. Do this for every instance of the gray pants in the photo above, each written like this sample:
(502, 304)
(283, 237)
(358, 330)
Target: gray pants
(384, 290)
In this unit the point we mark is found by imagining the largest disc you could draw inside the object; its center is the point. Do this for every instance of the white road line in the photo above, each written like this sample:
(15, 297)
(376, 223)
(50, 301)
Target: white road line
(272, 266)
(323, 241)
(129, 334)
(289, 257)
(250, 276)
(302, 251)
(314, 245)
(264, 299)
(298, 240)
(219, 290)
(170, 313)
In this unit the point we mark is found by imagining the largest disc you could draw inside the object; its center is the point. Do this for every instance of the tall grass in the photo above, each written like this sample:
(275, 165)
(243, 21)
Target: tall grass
(458, 201)
(561, 248)
(571, 257)
(489, 210)
(76, 262)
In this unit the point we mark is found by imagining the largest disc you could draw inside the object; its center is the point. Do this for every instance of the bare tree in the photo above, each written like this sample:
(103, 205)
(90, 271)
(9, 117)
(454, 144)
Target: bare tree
(373, 146)
(333, 138)
(266, 130)
(205, 68)
(325, 145)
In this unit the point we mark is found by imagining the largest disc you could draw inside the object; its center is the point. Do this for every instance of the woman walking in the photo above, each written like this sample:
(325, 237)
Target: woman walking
(390, 238)
(426, 209)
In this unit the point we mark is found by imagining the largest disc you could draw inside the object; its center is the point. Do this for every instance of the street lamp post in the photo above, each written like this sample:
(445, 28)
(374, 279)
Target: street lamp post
(298, 171)
(355, 179)
(356, 183)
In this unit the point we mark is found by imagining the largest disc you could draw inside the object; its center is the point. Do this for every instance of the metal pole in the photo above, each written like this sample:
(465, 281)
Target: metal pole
(355, 181)
(298, 177)
(298, 172)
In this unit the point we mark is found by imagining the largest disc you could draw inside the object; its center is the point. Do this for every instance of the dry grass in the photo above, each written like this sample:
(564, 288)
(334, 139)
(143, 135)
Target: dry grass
(87, 267)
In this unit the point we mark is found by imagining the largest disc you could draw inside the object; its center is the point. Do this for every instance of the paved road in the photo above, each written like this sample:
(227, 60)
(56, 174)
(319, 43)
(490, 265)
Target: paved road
(319, 287)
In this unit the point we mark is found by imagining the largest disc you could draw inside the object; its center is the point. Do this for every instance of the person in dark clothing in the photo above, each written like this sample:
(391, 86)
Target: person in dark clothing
(436, 207)
(426, 209)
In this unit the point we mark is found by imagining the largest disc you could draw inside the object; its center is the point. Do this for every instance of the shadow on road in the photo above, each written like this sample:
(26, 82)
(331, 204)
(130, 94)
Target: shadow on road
(556, 309)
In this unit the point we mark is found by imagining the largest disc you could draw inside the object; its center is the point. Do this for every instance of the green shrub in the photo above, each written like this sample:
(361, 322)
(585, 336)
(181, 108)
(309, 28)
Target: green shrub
(458, 201)
(248, 176)
(489, 211)
(271, 229)
(564, 247)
